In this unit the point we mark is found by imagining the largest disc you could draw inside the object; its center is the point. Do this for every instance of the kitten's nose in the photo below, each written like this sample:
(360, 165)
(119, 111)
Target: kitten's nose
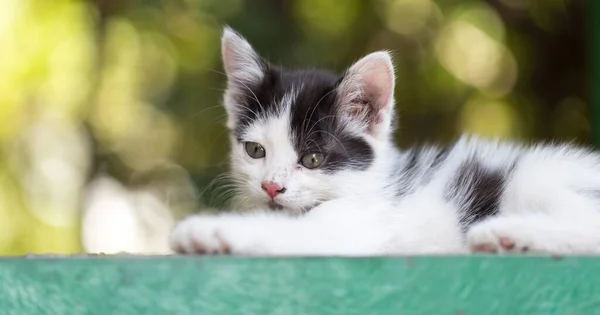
(272, 189)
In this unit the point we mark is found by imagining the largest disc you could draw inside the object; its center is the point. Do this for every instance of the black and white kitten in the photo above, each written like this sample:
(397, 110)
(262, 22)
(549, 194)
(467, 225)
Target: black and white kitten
(316, 148)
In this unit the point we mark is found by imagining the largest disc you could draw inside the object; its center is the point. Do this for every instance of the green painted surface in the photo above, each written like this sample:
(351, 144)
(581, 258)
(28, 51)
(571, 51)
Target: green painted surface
(230, 285)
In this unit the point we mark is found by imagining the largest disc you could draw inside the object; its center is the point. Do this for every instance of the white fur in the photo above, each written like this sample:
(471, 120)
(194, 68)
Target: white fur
(550, 204)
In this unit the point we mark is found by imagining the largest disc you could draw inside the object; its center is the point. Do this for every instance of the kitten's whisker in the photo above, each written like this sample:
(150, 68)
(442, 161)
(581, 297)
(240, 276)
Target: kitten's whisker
(313, 110)
(218, 72)
(225, 193)
(316, 144)
(218, 136)
(254, 95)
(221, 118)
(203, 110)
(317, 122)
(202, 193)
(243, 115)
(246, 107)
(238, 113)
(244, 85)
(334, 137)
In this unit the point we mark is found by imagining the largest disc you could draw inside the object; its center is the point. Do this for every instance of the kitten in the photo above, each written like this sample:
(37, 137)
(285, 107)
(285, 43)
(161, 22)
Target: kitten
(316, 149)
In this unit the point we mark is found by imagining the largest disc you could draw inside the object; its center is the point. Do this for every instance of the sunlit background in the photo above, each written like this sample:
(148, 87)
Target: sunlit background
(110, 121)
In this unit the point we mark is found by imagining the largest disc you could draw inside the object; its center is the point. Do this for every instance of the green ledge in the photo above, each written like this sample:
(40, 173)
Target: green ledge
(230, 285)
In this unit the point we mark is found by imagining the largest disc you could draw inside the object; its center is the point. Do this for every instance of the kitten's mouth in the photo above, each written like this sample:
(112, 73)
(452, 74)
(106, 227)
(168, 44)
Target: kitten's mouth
(275, 206)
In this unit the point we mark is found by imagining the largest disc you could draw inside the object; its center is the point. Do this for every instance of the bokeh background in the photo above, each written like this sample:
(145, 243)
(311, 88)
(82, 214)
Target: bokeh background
(110, 120)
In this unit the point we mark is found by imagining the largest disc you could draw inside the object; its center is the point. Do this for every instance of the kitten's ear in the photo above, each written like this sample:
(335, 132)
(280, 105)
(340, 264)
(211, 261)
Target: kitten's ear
(243, 65)
(366, 94)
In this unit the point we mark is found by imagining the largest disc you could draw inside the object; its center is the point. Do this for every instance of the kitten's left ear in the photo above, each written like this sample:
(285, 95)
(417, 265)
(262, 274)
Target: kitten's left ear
(366, 94)
(243, 65)
(245, 70)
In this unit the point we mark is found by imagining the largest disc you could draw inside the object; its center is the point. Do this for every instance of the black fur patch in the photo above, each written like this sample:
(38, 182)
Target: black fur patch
(405, 176)
(314, 121)
(476, 190)
(258, 100)
(440, 157)
(418, 168)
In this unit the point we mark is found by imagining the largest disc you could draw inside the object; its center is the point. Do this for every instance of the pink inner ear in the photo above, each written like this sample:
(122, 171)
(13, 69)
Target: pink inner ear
(228, 60)
(378, 89)
(375, 74)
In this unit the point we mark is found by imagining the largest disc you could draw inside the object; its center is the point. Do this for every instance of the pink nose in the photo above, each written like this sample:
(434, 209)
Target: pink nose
(272, 189)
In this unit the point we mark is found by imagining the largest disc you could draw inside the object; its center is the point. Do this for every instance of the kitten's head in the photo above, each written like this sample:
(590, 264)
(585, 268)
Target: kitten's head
(301, 137)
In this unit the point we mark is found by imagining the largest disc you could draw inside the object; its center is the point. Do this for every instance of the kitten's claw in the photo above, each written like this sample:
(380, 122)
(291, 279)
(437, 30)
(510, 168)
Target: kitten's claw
(484, 248)
(507, 243)
(493, 237)
(200, 235)
(502, 244)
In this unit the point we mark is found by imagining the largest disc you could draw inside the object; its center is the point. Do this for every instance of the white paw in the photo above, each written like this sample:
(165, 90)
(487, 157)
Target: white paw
(208, 235)
(500, 236)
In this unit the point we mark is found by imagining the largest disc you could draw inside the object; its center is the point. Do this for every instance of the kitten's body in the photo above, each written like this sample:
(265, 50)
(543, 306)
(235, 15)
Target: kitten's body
(369, 198)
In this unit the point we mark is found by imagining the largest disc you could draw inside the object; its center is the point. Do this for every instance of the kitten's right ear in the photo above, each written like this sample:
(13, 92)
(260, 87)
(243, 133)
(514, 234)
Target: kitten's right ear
(366, 94)
(243, 65)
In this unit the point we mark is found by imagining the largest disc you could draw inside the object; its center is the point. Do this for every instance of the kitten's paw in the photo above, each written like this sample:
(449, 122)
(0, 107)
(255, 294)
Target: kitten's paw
(208, 235)
(499, 236)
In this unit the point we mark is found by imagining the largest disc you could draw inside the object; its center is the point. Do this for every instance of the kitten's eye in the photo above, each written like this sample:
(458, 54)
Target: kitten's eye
(255, 150)
(312, 160)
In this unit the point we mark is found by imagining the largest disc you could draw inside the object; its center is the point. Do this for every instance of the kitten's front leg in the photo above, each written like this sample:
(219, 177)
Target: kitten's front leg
(536, 233)
(340, 227)
(227, 234)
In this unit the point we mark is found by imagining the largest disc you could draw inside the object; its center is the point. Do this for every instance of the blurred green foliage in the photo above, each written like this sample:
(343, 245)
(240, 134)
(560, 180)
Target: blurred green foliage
(128, 89)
